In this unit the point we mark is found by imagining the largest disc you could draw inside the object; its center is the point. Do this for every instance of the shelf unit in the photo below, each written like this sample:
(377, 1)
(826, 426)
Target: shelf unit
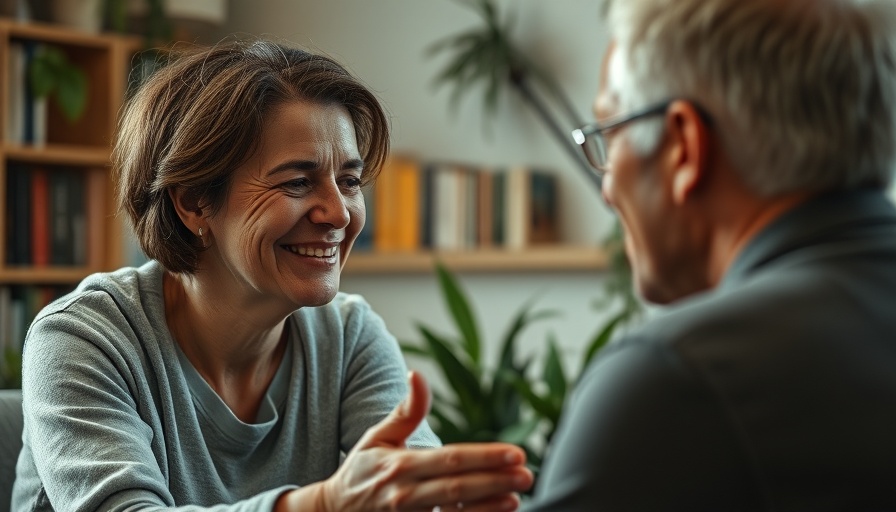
(542, 258)
(81, 147)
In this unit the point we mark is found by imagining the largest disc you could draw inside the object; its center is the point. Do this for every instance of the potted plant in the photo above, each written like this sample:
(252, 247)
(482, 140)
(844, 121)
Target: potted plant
(514, 401)
(51, 74)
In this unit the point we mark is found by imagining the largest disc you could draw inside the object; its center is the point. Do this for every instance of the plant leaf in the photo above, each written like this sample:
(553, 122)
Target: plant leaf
(71, 92)
(12, 376)
(42, 72)
(542, 406)
(520, 432)
(414, 350)
(602, 337)
(461, 378)
(447, 430)
(460, 310)
(553, 375)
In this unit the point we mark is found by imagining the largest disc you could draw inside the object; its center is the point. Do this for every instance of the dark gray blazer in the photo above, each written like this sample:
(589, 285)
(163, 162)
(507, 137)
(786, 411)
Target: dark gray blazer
(774, 391)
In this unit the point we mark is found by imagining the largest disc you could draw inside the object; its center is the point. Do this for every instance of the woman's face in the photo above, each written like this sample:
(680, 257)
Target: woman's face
(293, 211)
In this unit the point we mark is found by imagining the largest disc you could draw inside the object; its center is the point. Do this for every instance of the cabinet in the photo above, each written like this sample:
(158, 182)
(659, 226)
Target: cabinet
(78, 150)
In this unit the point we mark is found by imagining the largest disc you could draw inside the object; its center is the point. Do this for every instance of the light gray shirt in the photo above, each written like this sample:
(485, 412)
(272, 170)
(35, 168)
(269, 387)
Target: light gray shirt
(116, 417)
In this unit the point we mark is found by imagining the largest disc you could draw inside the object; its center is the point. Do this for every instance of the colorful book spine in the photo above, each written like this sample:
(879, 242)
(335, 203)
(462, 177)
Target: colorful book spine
(40, 217)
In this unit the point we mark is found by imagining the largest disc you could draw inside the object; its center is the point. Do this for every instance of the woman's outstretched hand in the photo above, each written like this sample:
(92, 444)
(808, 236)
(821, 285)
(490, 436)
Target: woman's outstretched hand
(380, 474)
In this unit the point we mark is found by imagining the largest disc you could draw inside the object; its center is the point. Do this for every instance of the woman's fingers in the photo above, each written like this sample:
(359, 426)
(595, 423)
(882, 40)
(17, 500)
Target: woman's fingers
(471, 489)
(459, 458)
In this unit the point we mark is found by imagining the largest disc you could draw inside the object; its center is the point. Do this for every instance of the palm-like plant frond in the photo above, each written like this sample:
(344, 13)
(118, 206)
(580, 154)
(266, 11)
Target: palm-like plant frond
(485, 57)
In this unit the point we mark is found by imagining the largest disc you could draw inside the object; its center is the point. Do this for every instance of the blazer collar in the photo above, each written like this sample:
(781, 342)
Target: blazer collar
(816, 220)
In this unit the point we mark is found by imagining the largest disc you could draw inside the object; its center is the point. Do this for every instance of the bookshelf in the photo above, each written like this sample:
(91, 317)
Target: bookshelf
(469, 217)
(56, 200)
(78, 149)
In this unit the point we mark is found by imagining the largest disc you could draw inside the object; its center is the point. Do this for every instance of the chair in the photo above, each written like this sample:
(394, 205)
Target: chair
(10, 442)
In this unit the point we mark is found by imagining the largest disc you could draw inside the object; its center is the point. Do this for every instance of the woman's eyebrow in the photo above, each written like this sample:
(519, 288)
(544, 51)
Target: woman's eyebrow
(312, 165)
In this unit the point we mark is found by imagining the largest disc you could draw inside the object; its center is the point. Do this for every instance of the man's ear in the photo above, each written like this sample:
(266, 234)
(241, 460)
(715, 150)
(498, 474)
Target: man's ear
(690, 156)
(188, 208)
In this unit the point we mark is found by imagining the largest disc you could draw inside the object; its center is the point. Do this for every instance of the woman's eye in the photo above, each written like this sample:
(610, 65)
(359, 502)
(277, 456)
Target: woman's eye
(351, 182)
(297, 184)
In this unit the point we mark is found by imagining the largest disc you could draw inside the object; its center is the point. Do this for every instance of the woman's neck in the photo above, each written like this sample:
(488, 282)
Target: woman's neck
(236, 356)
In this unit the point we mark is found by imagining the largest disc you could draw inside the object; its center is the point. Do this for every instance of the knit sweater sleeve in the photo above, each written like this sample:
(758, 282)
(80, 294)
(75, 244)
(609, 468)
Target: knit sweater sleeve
(375, 376)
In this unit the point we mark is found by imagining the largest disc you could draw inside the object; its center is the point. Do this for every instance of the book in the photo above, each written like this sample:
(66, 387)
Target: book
(499, 208)
(544, 222)
(61, 240)
(78, 219)
(407, 204)
(385, 223)
(35, 108)
(427, 210)
(15, 111)
(470, 205)
(448, 191)
(18, 215)
(485, 205)
(40, 217)
(530, 212)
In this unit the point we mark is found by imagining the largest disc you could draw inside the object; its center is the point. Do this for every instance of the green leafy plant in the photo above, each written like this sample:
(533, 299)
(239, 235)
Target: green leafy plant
(11, 369)
(504, 403)
(481, 404)
(548, 396)
(52, 74)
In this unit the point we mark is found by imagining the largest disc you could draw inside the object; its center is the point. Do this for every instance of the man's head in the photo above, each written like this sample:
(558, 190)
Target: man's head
(779, 99)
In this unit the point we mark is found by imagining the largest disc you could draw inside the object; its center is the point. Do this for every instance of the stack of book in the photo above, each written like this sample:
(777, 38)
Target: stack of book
(46, 213)
(441, 206)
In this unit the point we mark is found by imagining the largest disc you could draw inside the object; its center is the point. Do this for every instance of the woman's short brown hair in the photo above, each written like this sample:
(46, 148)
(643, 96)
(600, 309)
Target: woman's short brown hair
(195, 121)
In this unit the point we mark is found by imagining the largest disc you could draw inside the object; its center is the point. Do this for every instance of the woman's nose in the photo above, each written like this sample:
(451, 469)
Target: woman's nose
(331, 207)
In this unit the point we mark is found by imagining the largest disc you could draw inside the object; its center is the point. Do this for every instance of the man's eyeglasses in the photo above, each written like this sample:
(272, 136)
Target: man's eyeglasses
(592, 138)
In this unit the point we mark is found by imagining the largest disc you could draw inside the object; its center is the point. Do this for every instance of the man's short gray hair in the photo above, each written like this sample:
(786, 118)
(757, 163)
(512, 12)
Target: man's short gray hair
(801, 92)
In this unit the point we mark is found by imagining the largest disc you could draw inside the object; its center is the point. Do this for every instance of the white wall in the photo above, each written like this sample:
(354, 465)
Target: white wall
(383, 42)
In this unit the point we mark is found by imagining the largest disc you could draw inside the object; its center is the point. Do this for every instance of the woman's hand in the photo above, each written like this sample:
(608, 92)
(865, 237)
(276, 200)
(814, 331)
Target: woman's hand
(380, 474)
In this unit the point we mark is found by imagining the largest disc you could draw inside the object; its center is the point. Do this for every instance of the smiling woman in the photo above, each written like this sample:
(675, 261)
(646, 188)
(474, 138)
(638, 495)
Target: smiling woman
(229, 371)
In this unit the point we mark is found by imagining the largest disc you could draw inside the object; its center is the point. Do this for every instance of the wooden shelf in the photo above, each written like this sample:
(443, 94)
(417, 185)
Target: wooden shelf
(65, 154)
(46, 275)
(541, 258)
(50, 33)
(79, 148)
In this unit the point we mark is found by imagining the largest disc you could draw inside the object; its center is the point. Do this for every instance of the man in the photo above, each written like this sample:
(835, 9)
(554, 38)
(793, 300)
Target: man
(746, 147)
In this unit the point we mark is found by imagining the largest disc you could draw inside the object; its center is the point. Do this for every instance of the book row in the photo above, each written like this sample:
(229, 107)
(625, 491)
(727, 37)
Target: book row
(416, 205)
(26, 114)
(46, 216)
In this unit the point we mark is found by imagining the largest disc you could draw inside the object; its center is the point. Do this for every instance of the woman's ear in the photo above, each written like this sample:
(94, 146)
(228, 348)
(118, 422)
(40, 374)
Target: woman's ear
(691, 156)
(187, 206)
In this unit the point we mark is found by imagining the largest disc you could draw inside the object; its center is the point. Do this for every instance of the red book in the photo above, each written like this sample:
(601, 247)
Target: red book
(40, 218)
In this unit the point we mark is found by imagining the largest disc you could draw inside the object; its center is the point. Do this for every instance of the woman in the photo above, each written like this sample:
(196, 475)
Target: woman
(229, 371)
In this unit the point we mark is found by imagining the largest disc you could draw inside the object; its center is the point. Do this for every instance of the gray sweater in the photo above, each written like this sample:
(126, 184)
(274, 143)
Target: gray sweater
(116, 417)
